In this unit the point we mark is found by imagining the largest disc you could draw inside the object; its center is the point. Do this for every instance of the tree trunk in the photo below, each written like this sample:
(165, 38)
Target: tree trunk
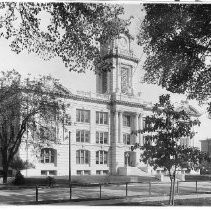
(170, 195)
(5, 172)
(173, 190)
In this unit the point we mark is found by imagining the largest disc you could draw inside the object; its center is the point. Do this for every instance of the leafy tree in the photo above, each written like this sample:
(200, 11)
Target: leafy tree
(71, 31)
(30, 106)
(177, 41)
(164, 129)
(18, 164)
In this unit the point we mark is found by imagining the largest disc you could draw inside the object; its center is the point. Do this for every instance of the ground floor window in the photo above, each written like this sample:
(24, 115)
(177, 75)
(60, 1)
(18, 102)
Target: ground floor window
(83, 172)
(47, 155)
(102, 172)
(48, 172)
(101, 157)
(82, 157)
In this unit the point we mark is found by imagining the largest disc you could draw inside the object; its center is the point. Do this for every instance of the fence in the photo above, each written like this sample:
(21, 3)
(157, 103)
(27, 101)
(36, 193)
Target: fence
(119, 190)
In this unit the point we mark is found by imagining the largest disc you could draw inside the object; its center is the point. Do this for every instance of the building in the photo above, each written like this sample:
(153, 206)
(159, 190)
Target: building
(101, 124)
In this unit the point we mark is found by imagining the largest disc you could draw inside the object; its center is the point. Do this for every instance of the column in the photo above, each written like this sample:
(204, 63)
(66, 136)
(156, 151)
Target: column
(139, 127)
(136, 127)
(120, 128)
(116, 127)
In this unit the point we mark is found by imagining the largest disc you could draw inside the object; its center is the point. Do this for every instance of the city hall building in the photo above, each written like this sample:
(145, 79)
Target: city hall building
(101, 124)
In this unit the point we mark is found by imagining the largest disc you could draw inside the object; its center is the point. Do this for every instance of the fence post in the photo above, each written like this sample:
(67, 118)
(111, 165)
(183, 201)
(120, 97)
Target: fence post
(149, 188)
(100, 190)
(196, 186)
(177, 187)
(126, 188)
(36, 197)
(70, 191)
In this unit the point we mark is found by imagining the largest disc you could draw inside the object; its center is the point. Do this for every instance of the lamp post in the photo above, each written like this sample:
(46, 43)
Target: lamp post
(70, 181)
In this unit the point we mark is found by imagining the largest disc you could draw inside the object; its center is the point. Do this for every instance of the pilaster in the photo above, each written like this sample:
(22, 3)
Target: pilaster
(120, 128)
(136, 127)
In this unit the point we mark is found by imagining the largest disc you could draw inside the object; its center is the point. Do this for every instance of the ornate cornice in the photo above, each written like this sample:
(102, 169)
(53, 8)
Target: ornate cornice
(118, 55)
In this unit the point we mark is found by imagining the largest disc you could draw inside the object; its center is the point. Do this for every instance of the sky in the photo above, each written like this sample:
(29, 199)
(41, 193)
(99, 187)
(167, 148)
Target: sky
(30, 63)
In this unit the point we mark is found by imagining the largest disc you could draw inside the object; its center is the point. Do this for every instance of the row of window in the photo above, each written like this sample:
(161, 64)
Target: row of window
(88, 172)
(101, 137)
(83, 157)
(84, 116)
(84, 136)
(78, 172)
(101, 117)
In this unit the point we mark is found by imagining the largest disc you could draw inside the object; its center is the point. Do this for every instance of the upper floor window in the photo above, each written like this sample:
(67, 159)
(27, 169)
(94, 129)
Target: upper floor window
(47, 155)
(82, 136)
(127, 139)
(102, 137)
(82, 157)
(126, 120)
(82, 115)
(102, 118)
(101, 157)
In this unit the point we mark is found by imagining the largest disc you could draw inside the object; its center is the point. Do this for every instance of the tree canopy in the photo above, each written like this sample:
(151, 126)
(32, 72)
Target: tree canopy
(28, 106)
(71, 31)
(177, 41)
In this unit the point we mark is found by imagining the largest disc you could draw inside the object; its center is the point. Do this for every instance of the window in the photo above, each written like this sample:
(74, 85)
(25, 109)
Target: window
(102, 137)
(105, 172)
(82, 157)
(48, 133)
(79, 172)
(44, 173)
(102, 118)
(125, 80)
(101, 157)
(126, 138)
(53, 173)
(82, 115)
(82, 136)
(126, 120)
(87, 172)
(47, 155)
(98, 172)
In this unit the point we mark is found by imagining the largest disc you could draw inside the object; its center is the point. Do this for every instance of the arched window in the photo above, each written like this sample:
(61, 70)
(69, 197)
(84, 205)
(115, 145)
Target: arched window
(82, 157)
(48, 155)
(101, 157)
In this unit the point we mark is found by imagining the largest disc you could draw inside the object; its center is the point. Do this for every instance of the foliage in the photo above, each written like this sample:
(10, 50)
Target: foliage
(71, 31)
(19, 179)
(50, 181)
(30, 107)
(177, 38)
(164, 129)
(18, 164)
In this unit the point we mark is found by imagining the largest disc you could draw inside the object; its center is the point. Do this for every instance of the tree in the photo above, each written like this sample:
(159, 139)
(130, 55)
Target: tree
(30, 106)
(164, 129)
(177, 41)
(70, 31)
(18, 164)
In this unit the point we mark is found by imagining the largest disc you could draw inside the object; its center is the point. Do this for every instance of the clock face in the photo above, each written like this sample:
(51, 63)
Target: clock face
(123, 42)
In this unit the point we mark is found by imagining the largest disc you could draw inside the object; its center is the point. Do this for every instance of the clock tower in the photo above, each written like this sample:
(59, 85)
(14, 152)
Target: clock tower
(120, 79)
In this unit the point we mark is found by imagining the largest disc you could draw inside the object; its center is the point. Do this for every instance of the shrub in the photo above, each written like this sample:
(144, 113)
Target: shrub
(19, 179)
(50, 181)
